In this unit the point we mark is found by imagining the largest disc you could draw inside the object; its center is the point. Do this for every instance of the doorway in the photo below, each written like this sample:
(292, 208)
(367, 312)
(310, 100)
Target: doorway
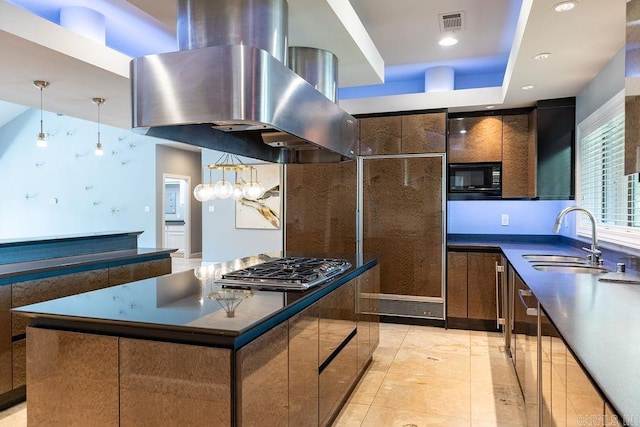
(176, 202)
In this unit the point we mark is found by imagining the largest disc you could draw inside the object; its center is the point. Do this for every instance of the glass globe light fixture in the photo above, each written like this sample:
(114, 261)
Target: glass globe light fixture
(252, 190)
(223, 189)
(237, 192)
(203, 192)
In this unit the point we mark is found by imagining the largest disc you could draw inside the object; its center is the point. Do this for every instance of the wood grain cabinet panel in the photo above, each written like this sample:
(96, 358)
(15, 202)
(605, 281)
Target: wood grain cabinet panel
(321, 207)
(374, 306)
(518, 157)
(457, 284)
(19, 363)
(335, 381)
(424, 133)
(5, 339)
(303, 368)
(380, 135)
(73, 379)
(337, 319)
(262, 380)
(481, 285)
(475, 139)
(164, 383)
(38, 290)
(402, 221)
(141, 270)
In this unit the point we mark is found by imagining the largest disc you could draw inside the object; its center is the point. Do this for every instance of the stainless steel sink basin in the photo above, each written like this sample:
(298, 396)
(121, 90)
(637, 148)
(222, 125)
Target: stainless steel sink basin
(570, 268)
(554, 258)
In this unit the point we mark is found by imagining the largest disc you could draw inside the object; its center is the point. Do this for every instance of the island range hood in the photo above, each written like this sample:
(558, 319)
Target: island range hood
(229, 89)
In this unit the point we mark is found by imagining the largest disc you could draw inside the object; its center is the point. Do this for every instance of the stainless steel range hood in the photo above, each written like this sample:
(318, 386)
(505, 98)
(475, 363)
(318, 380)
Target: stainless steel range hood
(218, 92)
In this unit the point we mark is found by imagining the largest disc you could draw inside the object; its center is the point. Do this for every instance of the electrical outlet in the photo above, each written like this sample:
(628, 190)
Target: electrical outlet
(211, 208)
(504, 219)
(147, 209)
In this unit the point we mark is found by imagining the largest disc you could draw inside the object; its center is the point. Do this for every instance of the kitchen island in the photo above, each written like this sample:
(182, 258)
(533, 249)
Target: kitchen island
(37, 269)
(171, 350)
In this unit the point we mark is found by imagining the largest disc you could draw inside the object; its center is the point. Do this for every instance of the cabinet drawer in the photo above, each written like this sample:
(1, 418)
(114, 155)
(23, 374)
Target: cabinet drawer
(335, 381)
(19, 363)
(337, 319)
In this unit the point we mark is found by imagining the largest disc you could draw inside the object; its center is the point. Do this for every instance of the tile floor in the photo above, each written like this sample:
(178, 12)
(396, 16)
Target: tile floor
(426, 376)
(420, 376)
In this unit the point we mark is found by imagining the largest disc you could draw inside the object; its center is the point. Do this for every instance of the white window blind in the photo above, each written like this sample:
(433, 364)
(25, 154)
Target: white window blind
(612, 197)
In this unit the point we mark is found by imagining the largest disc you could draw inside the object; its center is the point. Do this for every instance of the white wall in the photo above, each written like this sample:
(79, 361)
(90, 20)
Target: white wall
(221, 241)
(66, 189)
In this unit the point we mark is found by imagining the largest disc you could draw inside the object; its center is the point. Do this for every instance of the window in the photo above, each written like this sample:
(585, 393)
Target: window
(612, 197)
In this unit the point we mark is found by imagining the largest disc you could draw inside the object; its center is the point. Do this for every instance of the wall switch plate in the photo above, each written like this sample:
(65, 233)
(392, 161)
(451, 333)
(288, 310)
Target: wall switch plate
(211, 208)
(147, 209)
(53, 201)
(504, 219)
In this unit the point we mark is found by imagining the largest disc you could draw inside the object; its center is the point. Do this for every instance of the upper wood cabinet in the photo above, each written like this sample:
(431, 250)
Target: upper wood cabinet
(519, 156)
(475, 139)
(424, 133)
(403, 134)
(380, 135)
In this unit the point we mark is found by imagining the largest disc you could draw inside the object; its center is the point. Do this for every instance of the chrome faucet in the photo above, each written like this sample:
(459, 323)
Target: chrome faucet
(594, 256)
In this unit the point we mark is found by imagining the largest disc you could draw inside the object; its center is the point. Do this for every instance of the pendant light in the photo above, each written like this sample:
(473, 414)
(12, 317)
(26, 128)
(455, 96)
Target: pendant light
(99, 101)
(42, 141)
(224, 189)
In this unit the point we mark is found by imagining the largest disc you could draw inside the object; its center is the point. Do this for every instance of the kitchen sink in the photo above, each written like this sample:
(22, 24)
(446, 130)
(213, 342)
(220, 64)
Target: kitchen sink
(554, 258)
(573, 268)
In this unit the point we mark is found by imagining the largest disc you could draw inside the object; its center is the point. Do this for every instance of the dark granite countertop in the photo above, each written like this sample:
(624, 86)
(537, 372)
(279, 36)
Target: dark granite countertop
(599, 321)
(178, 306)
(21, 241)
(34, 269)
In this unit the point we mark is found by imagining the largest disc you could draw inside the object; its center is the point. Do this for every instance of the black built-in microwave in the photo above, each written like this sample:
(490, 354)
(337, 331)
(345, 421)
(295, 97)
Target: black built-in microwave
(475, 180)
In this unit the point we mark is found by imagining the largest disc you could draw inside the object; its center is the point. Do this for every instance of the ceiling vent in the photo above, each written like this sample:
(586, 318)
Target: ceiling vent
(453, 21)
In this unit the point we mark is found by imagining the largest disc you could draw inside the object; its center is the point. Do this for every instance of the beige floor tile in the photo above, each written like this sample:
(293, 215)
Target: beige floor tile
(367, 388)
(16, 416)
(492, 370)
(497, 404)
(378, 417)
(421, 393)
(438, 339)
(351, 415)
(382, 359)
(413, 360)
(392, 338)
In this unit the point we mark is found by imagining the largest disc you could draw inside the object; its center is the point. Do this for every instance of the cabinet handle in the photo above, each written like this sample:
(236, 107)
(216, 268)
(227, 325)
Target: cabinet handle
(527, 293)
(499, 320)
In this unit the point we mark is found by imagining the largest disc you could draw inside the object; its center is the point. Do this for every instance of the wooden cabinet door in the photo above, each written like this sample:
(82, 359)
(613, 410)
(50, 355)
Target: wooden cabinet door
(403, 222)
(475, 139)
(457, 284)
(380, 135)
(303, 367)
(5, 338)
(518, 157)
(321, 207)
(424, 133)
(481, 279)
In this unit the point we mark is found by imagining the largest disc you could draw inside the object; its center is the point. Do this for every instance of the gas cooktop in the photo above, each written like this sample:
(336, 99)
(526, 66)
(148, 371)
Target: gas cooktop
(290, 273)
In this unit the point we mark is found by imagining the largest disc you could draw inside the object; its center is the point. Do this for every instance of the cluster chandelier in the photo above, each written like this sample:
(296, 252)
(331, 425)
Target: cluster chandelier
(224, 189)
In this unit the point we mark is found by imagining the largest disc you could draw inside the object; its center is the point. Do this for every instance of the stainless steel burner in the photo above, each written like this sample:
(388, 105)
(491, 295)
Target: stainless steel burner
(286, 273)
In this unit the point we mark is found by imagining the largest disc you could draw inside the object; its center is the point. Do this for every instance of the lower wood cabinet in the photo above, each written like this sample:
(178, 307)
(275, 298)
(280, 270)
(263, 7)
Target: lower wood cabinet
(13, 327)
(262, 380)
(335, 381)
(5, 339)
(471, 289)
(303, 368)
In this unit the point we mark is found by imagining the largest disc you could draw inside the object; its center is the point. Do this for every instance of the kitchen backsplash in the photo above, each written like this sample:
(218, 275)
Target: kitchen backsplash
(529, 217)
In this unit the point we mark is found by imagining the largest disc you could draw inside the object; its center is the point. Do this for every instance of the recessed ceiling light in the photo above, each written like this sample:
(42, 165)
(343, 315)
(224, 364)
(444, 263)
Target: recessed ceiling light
(542, 56)
(527, 87)
(489, 107)
(565, 6)
(463, 131)
(448, 40)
